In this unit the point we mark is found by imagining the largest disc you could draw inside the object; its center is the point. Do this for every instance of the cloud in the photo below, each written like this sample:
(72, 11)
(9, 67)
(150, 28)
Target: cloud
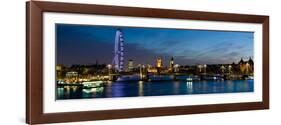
(233, 54)
(84, 44)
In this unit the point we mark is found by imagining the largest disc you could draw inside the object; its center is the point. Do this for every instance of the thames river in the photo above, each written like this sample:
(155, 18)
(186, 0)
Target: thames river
(161, 88)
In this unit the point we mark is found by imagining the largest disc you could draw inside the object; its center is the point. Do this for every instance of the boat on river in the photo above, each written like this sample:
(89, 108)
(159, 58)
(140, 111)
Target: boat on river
(128, 78)
(93, 84)
(249, 78)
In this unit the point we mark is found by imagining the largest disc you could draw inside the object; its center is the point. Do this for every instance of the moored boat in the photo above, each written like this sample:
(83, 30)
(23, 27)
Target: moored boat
(93, 84)
(128, 78)
(249, 78)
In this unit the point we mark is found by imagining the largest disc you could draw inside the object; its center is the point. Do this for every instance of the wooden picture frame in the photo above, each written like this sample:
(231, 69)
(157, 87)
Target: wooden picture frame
(34, 61)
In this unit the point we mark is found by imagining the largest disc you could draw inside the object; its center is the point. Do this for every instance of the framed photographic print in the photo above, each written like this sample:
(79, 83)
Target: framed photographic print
(95, 62)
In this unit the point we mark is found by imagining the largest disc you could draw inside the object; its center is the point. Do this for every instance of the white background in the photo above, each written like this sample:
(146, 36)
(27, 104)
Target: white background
(12, 64)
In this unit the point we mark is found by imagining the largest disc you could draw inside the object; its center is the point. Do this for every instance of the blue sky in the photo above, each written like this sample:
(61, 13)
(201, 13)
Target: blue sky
(86, 44)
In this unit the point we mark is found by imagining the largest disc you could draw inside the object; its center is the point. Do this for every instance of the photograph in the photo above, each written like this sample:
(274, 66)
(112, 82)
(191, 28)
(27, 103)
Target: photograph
(95, 61)
(89, 61)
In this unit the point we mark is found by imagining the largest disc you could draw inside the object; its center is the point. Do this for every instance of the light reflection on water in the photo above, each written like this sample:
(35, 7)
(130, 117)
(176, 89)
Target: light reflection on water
(141, 88)
(140, 83)
(189, 87)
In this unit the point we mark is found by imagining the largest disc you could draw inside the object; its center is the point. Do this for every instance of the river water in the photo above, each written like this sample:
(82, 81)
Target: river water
(139, 88)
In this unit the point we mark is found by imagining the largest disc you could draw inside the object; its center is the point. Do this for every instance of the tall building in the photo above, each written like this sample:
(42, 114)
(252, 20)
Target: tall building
(59, 71)
(246, 67)
(159, 63)
(130, 65)
(171, 65)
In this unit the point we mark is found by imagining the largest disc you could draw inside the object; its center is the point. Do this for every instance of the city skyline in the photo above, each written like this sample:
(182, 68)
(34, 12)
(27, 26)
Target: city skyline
(86, 44)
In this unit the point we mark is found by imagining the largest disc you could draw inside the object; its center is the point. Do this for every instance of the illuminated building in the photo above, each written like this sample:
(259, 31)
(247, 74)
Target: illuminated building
(151, 69)
(205, 68)
(251, 63)
(199, 67)
(130, 65)
(229, 69)
(143, 72)
(159, 63)
(176, 68)
(71, 74)
(59, 71)
(171, 66)
(222, 69)
(71, 77)
(158, 67)
(246, 67)
(58, 67)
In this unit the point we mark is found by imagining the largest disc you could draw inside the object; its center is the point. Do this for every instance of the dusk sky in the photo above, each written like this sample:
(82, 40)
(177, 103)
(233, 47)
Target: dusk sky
(86, 44)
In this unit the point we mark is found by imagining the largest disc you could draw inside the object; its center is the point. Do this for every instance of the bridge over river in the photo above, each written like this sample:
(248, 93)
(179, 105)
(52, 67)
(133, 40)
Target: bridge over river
(164, 77)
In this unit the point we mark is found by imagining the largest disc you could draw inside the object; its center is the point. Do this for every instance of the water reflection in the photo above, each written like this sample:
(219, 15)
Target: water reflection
(117, 89)
(176, 86)
(189, 87)
(230, 85)
(141, 88)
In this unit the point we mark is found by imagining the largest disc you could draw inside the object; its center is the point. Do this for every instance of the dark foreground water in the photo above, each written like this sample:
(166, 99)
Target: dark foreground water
(133, 89)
